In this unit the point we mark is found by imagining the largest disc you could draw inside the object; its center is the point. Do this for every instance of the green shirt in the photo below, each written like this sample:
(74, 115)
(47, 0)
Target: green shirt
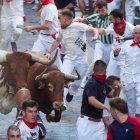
(101, 22)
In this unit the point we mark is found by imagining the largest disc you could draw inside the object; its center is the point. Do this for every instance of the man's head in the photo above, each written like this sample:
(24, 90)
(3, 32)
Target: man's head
(13, 133)
(102, 7)
(65, 18)
(116, 16)
(114, 83)
(100, 67)
(118, 107)
(136, 33)
(30, 111)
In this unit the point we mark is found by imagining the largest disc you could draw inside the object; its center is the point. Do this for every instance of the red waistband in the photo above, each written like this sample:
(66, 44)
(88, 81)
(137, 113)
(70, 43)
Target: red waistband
(90, 119)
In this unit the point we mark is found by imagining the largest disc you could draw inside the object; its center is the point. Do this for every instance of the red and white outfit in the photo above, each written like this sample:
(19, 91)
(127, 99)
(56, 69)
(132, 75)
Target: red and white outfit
(11, 15)
(75, 52)
(31, 131)
(46, 37)
(130, 55)
(115, 67)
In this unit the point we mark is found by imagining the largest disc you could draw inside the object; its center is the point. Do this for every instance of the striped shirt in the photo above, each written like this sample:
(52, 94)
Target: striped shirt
(101, 22)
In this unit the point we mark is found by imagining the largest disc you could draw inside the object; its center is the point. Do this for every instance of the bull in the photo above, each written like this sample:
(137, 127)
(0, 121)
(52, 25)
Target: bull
(13, 77)
(47, 89)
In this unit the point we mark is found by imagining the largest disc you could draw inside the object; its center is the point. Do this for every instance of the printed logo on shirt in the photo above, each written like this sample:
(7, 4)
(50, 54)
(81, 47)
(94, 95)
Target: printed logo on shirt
(80, 43)
(33, 136)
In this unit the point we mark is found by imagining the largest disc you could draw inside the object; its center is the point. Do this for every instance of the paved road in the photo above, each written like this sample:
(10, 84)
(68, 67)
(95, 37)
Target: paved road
(66, 128)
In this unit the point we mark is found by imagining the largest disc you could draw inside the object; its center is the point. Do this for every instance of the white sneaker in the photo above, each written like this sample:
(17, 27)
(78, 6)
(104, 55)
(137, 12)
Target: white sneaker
(35, 7)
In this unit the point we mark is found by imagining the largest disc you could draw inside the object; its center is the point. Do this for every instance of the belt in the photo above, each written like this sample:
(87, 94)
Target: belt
(90, 119)
(53, 36)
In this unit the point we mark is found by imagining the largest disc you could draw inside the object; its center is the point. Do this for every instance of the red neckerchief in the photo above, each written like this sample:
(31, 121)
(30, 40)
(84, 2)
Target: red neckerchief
(101, 78)
(120, 27)
(135, 43)
(30, 125)
(45, 2)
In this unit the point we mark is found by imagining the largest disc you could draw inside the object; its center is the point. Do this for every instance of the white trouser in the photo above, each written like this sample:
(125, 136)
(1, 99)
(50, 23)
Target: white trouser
(102, 52)
(131, 90)
(10, 32)
(89, 130)
(113, 68)
(138, 105)
(130, 11)
(43, 44)
(67, 68)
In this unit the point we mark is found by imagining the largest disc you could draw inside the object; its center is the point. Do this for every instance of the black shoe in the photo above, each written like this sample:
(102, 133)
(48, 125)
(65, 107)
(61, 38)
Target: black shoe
(69, 97)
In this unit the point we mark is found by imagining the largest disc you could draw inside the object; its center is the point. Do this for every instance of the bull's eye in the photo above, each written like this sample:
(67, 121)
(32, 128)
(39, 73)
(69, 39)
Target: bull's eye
(50, 87)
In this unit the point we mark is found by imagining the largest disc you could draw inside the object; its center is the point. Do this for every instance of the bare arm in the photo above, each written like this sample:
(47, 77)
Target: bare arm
(94, 31)
(55, 45)
(106, 121)
(44, 26)
(69, 6)
(94, 102)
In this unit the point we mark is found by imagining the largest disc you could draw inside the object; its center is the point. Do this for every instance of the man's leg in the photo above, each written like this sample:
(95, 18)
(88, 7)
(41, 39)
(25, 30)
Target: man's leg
(6, 32)
(16, 32)
(67, 68)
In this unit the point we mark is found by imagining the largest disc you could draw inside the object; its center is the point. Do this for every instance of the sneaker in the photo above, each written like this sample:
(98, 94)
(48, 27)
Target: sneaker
(69, 97)
(35, 7)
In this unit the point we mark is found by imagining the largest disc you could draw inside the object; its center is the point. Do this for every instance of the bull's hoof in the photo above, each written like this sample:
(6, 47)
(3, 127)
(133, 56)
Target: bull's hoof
(52, 118)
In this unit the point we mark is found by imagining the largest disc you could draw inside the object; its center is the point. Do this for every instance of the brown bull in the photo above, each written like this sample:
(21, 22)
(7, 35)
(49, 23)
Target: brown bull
(47, 89)
(14, 71)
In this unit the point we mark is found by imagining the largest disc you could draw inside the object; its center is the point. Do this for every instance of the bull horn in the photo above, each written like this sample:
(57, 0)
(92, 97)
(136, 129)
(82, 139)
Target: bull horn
(73, 77)
(41, 77)
(38, 57)
(3, 56)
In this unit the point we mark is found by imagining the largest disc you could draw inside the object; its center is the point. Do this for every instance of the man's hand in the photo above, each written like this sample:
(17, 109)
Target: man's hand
(118, 37)
(28, 28)
(117, 51)
(94, 38)
(107, 108)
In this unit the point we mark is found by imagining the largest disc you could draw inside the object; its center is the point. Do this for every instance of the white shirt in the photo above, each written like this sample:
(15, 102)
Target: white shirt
(26, 132)
(50, 13)
(131, 58)
(127, 33)
(75, 44)
(11, 9)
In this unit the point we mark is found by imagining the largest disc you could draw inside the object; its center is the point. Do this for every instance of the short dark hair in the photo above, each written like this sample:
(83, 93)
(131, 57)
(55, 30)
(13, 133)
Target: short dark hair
(119, 104)
(12, 127)
(29, 103)
(68, 13)
(99, 66)
(117, 14)
(101, 3)
(111, 79)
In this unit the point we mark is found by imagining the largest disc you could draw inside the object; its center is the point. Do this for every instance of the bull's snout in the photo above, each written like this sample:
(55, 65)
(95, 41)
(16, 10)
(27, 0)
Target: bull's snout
(59, 106)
